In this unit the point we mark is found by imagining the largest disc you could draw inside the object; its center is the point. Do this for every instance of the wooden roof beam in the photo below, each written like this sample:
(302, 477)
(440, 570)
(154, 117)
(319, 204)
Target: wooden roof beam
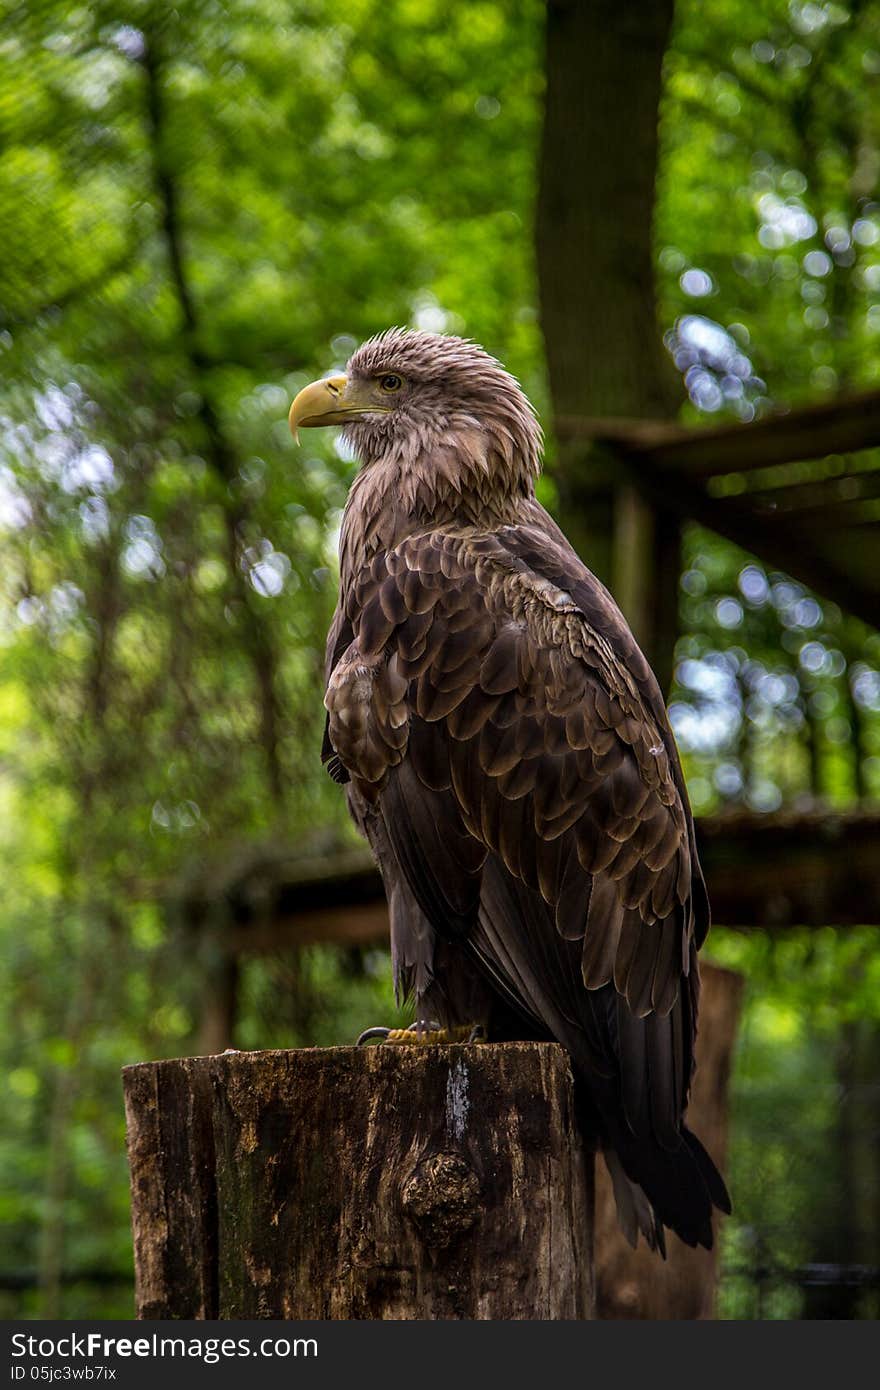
(843, 425)
(770, 537)
(843, 489)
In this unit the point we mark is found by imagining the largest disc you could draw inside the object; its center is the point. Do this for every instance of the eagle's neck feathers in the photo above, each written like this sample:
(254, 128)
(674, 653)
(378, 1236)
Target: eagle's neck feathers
(456, 472)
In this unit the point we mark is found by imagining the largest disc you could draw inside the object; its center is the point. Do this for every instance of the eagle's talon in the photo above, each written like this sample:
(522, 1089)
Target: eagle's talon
(424, 1035)
(394, 1035)
(372, 1033)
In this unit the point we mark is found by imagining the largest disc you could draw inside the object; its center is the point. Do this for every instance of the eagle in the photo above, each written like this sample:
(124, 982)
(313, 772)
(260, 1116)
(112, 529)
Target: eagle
(507, 754)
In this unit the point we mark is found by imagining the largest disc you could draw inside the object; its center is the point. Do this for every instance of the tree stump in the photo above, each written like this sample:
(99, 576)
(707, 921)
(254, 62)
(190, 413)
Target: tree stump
(376, 1182)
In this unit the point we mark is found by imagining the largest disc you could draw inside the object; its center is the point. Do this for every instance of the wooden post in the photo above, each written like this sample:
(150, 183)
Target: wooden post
(377, 1182)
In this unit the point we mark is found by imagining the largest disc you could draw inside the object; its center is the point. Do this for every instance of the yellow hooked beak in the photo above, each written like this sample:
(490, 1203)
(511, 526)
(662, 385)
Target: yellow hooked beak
(332, 401)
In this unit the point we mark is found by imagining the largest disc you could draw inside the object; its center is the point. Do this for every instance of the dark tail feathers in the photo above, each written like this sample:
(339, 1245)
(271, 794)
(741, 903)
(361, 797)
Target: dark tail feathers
(681, 1187)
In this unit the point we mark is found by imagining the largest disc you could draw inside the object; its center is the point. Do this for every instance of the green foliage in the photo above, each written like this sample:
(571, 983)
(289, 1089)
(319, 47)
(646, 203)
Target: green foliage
(769, 185)
(776, 698)
(200, 210)
(803, 1119)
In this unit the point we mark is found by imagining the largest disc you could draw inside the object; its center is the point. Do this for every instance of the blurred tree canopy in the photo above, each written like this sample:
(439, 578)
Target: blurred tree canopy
(201, 209)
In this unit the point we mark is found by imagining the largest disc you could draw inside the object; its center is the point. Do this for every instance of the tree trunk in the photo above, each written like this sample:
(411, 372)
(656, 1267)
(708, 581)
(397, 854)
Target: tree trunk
(596, 277)
(844, 1231)
(634, 1283)
(219, 998)
(384, 1182)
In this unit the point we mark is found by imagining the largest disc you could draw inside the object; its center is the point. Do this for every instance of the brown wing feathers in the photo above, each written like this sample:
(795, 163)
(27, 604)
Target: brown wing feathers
(544, 742)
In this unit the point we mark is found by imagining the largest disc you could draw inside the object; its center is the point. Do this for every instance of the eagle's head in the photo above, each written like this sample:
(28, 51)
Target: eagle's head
(410, 395)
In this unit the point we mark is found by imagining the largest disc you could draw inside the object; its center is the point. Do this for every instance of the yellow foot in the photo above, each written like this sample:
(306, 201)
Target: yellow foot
(424, 1037)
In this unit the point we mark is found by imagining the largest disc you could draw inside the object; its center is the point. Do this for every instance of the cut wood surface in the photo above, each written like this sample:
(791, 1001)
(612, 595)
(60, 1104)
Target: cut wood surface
(377, 1182)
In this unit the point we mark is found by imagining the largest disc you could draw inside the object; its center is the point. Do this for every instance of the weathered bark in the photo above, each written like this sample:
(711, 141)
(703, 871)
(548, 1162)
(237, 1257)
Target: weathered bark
(634, 1283)
(384, 1182)
(596, 277)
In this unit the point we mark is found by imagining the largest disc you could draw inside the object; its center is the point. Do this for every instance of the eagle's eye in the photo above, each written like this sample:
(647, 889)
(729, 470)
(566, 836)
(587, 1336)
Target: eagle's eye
(391, 382)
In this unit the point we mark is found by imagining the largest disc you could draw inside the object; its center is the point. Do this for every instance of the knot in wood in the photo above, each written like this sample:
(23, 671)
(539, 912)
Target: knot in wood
(441, 1197)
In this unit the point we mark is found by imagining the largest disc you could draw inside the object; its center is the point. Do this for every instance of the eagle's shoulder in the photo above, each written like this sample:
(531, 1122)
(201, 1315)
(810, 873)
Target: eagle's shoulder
(522, 612)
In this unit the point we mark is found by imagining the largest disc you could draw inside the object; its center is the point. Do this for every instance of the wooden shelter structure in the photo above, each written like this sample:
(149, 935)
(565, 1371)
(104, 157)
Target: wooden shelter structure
(799, 489)
(816, 868)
